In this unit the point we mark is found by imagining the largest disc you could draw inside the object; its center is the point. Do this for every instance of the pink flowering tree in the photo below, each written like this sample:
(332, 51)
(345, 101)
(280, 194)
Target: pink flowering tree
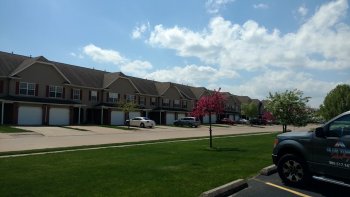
(207, 105)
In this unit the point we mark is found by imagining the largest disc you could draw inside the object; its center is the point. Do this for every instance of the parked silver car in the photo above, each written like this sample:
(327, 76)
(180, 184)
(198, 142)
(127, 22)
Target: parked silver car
(141, 122)
(187, 121)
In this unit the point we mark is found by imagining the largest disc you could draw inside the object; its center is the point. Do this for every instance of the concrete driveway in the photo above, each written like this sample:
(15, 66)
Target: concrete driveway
(54, 137)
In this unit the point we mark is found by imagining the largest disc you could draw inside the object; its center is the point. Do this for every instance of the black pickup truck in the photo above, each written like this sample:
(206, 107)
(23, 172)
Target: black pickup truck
(322, 154)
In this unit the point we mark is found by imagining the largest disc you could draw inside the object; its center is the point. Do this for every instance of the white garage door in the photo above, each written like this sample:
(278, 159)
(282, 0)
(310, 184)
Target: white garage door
(29, 115)
(206, 119)
(59, 116)
(180, 116)
(117, 118)
(170, 118)
(134, 114)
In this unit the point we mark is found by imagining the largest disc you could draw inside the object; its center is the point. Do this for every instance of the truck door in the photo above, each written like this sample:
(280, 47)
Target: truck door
(332, 153)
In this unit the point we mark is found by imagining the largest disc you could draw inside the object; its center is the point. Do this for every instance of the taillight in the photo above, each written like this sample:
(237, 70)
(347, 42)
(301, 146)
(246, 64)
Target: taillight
(275, 143)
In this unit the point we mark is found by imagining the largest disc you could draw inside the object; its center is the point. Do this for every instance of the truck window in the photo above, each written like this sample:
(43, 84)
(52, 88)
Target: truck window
(339, 127)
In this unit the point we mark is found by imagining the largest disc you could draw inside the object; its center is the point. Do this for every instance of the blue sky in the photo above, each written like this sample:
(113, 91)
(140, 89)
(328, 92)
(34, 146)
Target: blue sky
(246, 47)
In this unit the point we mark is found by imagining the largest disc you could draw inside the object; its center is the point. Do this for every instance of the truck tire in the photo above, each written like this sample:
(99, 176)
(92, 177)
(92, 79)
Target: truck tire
(293, 170)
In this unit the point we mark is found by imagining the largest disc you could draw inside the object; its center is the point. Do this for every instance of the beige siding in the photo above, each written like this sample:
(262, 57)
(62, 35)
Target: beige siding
(41, 74)
(122, 87)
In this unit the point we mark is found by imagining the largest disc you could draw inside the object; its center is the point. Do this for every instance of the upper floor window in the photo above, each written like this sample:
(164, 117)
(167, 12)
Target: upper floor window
(93, 96)
(176, 103)
(130, 98)
(27, 88)
(112, 97)
(184, 104)
(55, 91)
(142, 100)
(76, 94)
(153, 101)
(166, 102)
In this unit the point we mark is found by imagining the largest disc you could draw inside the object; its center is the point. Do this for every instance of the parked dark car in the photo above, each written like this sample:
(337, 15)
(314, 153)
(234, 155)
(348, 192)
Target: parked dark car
(187, 121)
(323, 154)
(257, 121)
(227, 121)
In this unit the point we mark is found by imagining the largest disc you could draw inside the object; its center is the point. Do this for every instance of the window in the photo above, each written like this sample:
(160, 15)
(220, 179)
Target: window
(176, 103)
(166, 102)
(55, 91)
(93, 96)
(112, 97)
(27, 89)
(340, 127)
(130, 98)
(184, 104)
(142, 100)
(76, 94)
(153, 101)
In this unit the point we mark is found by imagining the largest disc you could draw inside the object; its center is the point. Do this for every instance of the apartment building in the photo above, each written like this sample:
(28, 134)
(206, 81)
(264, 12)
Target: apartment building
(37, 91)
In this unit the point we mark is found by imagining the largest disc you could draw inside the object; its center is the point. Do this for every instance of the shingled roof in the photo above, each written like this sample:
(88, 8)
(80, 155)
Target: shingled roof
(9, 62)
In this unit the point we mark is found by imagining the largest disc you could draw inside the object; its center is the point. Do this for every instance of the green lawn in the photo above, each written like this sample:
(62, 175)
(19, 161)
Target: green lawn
(166, 169)
(9, 129)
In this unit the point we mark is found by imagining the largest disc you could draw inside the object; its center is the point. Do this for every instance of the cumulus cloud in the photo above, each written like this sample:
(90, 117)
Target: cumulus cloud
(260, 6)
(191, 75)
(214, 6)
(139, 30)
(109, 56)
(272, 81)
(321, 42)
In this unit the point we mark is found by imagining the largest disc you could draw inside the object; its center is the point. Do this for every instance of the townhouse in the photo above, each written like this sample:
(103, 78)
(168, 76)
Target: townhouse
(37, 91)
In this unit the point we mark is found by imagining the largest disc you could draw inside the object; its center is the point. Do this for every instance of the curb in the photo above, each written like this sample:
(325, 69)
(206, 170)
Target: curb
(227, 189)
(267, 171)
(237, 185)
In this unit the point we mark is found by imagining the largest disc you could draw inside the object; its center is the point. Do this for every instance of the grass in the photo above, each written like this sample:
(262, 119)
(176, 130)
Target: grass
(166, 169)
(9, 129)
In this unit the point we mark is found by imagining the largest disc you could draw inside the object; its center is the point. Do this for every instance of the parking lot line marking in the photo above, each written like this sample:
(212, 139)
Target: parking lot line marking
(286, 189)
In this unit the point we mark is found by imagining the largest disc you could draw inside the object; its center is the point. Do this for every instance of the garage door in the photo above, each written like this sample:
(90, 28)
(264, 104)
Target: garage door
(170, 118)
(134, 114)
(180, 116)
(206, 119)
(117, 118)
(59, 116)
(29, 115)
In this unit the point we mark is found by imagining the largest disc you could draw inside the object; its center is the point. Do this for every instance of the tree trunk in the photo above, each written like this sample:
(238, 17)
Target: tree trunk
(210, 133)
(284, 128)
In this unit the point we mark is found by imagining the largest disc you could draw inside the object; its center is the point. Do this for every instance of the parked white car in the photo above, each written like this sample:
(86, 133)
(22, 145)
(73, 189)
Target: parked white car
(141, 122)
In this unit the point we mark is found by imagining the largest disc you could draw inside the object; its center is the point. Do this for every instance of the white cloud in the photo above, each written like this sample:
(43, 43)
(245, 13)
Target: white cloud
(214, 6)
(103, 55)
(261, 6)
(272, 81)
(139, 30)
(137, 68)
(302, 10)
(133, 67)
(191, 75)
(320, 43)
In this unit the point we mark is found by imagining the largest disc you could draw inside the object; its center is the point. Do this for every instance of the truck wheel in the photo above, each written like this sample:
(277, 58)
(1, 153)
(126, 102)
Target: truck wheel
(293, 170)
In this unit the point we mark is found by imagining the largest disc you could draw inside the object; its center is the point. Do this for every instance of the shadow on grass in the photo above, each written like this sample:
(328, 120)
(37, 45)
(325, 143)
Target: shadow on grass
(225, 149)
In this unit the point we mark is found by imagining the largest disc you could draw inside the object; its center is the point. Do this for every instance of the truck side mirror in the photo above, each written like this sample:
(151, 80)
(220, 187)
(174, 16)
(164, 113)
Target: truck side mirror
(320, 132)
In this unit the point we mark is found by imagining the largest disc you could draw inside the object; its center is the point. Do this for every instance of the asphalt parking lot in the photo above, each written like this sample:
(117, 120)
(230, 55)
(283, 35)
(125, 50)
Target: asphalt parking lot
(269, 186)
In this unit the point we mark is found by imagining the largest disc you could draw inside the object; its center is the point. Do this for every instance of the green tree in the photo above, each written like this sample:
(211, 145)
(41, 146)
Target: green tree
(250, 110)
(128, 107)
(289, 108)
(336, 102)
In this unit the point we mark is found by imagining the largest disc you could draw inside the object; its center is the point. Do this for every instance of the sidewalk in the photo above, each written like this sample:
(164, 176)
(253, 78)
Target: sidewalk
(54, 137)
